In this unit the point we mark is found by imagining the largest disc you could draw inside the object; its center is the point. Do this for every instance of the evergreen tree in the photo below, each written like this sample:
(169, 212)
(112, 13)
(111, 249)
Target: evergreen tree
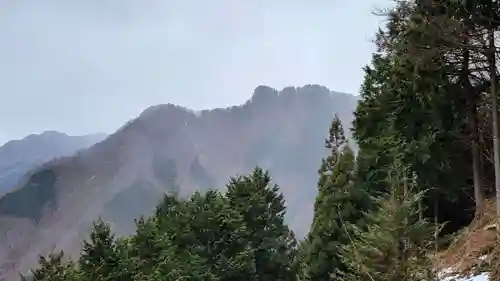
(208, 237)
(413, 107)
(395, 245)
(338, 200)
(99, 259)
(300, 261)
(148, 243)
(215, 234)
(271, 242)
(53, 268)
(201, 238)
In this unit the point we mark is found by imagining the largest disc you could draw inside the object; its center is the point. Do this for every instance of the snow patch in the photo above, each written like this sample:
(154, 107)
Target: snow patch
(447, 275)
(480, 277)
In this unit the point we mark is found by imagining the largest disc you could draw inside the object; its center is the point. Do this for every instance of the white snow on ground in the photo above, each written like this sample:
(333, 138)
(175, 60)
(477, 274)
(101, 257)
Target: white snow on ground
(481, 277)
(445, 275)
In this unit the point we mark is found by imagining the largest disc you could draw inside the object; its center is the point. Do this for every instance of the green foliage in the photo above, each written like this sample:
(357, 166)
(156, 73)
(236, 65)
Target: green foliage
(273, 245)
(239, 235)
(338, 200)
(38, 193)
(416, 114)
(395, 245)
(99, 259)
(52, 268)
(411, 110)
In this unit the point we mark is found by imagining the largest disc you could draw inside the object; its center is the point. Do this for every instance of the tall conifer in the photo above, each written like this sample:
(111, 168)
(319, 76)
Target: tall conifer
(338, 201)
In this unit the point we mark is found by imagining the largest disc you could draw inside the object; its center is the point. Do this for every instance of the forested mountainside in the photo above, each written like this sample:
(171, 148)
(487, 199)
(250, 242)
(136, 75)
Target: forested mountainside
(429, 153)
(170, 149)
(17, 157)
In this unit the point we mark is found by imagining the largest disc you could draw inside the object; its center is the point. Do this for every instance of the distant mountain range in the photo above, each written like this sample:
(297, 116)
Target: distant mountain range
(17, 157)
(171, 149)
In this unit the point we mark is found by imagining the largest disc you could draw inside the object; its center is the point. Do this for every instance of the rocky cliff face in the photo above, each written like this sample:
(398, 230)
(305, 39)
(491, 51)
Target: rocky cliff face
(171, 149)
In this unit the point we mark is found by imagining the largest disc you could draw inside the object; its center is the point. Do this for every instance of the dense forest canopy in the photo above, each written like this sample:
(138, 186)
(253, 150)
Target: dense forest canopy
(427, 130)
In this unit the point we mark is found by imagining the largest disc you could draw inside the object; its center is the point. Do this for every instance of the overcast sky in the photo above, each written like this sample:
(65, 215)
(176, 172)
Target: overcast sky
(85, 66)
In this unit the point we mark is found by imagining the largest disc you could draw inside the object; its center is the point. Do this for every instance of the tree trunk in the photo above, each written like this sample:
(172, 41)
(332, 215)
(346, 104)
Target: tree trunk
(471, 97)
(476, 157)
(494, 113)
(471, 101)
(436, 224)
(495, 262)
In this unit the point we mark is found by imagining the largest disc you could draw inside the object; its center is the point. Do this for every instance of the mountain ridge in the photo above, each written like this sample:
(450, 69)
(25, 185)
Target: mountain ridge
(18, 157)
(172, 149)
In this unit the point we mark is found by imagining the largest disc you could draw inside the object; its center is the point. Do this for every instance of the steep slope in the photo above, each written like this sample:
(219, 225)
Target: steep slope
(17, 157)
(171, 149)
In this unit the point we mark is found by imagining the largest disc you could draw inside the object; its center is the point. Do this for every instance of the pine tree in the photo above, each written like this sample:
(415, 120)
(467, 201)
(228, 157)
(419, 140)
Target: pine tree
(395, 245)
(301, 266)
(152, 234)
(208, 237)
(416, 103)
(215, 234)
(199, 238)
(99, 259)
(338, 200)
(53, 268)
(272, 243)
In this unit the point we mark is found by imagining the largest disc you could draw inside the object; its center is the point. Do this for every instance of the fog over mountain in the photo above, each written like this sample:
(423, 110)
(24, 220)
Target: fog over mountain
(171, 149)
(17, 157)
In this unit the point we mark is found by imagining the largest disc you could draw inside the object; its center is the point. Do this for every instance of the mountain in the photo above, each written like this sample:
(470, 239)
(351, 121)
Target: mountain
(171, 149)
(17, 157)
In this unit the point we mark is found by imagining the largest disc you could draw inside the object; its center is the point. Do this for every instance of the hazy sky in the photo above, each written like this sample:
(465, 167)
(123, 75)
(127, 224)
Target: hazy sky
(84, 66)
